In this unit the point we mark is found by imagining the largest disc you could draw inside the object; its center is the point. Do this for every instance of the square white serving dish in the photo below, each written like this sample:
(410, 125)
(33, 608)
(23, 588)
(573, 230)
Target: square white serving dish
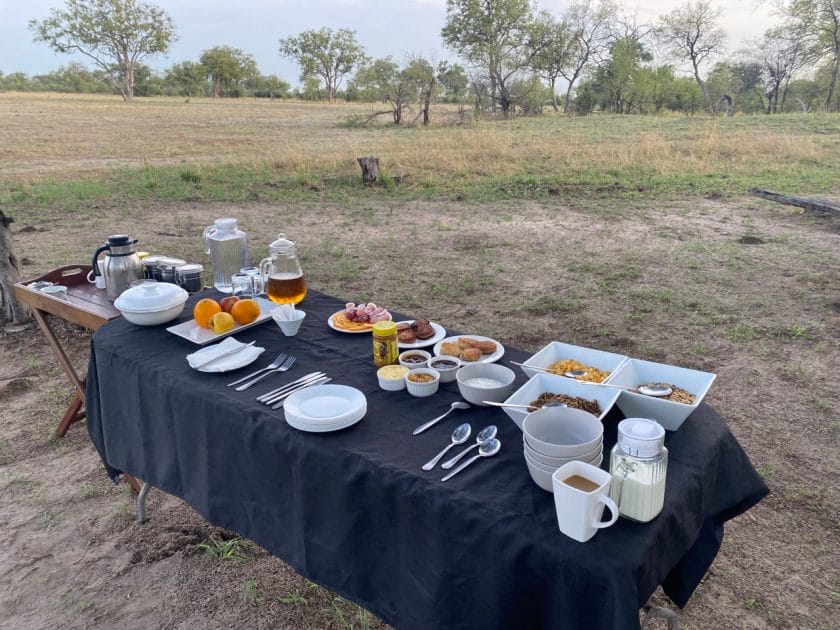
(191, 331)
(541, 382)
(668, 413)
(559, 351)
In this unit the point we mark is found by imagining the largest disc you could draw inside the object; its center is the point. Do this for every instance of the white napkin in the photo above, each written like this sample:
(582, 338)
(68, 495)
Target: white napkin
(232, 361)
(286, 313)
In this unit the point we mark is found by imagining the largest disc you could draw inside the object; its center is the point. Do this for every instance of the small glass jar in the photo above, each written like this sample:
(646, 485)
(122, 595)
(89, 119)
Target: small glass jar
(150, 267)
(638, 465)
(189, 277)
(385, 348)
(166, 273)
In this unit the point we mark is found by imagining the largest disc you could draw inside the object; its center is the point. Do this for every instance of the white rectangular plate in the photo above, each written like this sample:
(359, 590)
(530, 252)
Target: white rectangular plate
(193, 332)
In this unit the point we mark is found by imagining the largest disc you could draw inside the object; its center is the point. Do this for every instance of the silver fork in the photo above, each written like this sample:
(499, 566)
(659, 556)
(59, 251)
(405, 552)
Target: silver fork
(281, 368)
(274, 364)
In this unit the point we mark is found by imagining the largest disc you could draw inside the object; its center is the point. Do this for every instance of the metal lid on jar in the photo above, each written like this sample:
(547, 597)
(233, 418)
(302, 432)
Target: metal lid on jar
(384, 329)
(641, 437)
(190, 269)
(282, 245)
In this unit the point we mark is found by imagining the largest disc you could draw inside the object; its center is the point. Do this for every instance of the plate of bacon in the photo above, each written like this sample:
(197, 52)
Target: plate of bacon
(358, 318)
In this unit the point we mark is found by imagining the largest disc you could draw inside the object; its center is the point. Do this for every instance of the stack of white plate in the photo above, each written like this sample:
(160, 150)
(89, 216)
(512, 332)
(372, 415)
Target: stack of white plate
(555, 436)
(325, 408)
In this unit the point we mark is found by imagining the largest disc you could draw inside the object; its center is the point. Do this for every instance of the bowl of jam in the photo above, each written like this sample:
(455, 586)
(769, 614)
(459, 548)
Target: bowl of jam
(447, 366)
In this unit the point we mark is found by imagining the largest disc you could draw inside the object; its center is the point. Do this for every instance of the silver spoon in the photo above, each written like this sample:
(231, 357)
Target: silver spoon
(655, 389)
(576, 373)
(487, 433)
(460, 435)
(501, 404)
(488, 449)
(458, 404)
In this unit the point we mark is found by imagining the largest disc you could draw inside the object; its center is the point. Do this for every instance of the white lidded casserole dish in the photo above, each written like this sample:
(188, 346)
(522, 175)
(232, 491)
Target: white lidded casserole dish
(151, 303)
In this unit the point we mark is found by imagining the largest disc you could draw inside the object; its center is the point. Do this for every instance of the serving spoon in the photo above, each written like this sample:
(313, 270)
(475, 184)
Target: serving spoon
(487, 433)
(458, 404)
(488, 449)
(460, 435)
(503, 404)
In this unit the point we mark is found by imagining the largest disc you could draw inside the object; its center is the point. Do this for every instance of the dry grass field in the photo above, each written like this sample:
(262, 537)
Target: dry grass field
(631, 235)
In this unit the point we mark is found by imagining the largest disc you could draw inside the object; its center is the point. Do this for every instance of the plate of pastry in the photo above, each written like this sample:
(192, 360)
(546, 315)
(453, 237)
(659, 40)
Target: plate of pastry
(419, 333)
(470, 348)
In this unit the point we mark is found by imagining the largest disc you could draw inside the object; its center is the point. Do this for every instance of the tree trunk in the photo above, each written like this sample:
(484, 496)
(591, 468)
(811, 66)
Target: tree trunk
(831, 84)
(370, 170)
(810, 205)
(10, 309)
(552, 81)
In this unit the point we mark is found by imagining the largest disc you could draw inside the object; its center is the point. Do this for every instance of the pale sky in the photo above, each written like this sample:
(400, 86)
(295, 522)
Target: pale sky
(384, 27)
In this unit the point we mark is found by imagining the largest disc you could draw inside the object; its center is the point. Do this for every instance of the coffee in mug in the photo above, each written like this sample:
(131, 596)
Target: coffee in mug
(580, 495)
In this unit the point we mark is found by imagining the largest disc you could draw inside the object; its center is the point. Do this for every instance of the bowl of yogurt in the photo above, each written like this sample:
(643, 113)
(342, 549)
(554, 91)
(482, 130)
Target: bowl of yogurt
(479, 382)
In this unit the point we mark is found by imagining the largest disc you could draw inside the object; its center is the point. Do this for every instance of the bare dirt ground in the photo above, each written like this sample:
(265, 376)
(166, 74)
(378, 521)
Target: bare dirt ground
(742, 288)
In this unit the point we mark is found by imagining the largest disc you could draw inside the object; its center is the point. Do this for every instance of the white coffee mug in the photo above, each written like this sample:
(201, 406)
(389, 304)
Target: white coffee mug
(99, 280)
(580, 494)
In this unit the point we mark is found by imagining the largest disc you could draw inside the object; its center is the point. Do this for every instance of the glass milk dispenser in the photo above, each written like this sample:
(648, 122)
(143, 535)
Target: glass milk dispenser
(228, 249)
(281, 273)
(638, 464)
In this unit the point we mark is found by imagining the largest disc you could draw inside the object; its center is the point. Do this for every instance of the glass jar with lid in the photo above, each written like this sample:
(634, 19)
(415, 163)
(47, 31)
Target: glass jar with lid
(282, 276)
(638, 465)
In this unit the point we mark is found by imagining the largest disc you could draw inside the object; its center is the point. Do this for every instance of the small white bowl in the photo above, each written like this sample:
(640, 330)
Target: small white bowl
(562, 431)
(668, 413)
(392, 377)
(413, 365)
(447, 374)
(475, 393)
(422, 389)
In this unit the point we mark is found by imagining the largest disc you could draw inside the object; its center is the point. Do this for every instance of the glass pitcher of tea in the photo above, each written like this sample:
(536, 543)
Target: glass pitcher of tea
(281, 273)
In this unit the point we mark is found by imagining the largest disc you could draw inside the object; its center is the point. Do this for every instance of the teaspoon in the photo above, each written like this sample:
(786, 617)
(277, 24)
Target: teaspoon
(487, 433)
(458, 404)
(488, 449)
(460, 435)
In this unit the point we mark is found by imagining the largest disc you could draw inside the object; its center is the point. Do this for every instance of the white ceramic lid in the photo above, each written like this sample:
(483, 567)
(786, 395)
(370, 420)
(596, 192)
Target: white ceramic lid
(151, 297)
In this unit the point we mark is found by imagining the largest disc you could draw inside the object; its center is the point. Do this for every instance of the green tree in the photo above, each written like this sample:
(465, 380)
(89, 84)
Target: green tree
(113, 33)
(187, 77)
(422, 74)
(589, 24)
(817, 22)
(383, 80)
(226, 67)
(454, 82)
(498, 36)
(617, 81)
(691, 33)
(325, 54)
(553, 58)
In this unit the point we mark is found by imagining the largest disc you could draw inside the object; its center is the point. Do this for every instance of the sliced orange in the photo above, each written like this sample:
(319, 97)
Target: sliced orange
(204, 310)
(245, 311)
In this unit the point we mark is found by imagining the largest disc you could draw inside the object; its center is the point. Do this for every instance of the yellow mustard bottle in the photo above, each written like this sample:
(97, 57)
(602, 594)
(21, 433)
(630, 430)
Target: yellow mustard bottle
(385, 348)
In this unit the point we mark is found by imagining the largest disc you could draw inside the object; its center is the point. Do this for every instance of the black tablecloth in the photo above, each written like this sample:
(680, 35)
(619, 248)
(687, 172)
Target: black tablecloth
(353, 511)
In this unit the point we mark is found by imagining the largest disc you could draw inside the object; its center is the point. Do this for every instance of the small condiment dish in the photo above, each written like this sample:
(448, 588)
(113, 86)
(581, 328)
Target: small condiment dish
(447, 366)
(478, 382)
(413, 359)
(392, 377)
(422, 381)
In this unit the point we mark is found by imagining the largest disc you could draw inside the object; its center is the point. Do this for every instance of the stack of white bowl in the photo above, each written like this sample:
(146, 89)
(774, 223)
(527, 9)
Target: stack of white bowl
(554, 436)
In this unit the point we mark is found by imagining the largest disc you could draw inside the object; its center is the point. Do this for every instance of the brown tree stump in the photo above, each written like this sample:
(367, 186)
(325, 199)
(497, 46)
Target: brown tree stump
(11, 310)
(370, 170)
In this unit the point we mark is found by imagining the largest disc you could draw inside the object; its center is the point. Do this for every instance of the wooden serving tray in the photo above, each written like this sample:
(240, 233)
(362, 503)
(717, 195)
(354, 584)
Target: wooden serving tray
(86, 305)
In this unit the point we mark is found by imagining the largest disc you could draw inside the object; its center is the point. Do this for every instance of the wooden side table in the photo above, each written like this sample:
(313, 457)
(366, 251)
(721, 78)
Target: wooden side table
(85, 305)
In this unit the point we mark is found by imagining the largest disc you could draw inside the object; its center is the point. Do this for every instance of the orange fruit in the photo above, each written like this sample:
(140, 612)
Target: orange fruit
(245, 311)
(204, 310)
(221, 322)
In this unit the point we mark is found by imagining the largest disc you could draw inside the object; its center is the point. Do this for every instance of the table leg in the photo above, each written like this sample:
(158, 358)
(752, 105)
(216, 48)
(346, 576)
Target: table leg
(141, 502)
(73, 412)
